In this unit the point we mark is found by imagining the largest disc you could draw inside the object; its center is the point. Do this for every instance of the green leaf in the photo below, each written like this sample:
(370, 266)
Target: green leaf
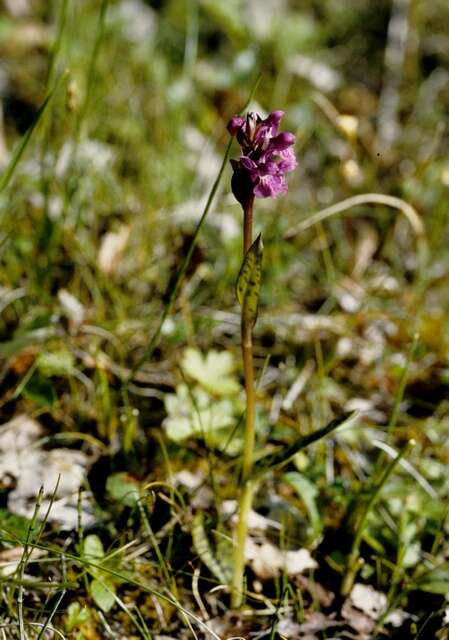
(93, 547)
(285, 454)
(58, 363)
(123, 488)
(248, 282)
(40, 390)
(436, 581)
(308, 492)
(76, 616)
(440, 587)
(214, 372)
(102, 594)
(204, 550)
(196, 414)
(13, 525)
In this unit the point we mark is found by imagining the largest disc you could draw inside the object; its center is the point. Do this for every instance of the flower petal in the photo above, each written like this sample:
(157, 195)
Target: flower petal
(248, 163)
(273, 121)
(270, 186)
(266, 156)
(288, 160)
(282, 141)
(268, 168)
(235, 124)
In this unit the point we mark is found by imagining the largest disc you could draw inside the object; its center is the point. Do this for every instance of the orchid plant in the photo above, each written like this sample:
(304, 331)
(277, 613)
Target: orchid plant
(259, 172)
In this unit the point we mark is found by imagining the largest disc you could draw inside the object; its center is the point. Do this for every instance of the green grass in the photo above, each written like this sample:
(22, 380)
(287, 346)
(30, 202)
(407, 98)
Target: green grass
(115, 131)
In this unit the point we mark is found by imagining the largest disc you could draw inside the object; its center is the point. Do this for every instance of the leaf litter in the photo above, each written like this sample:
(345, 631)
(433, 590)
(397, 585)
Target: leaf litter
(25, 466)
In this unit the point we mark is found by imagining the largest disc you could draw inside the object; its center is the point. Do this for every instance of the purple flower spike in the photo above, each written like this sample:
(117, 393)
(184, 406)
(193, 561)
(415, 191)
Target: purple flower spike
(266, 157)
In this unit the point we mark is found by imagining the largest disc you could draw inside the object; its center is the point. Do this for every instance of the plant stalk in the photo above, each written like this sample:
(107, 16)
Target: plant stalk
(247, 488)
(248, 226)
(245, 503)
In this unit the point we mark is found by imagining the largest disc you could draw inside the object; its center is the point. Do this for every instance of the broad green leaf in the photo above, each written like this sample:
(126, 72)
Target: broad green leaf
(40, 390)
(248, 282)
(215, 372)
(102, 594)
(93, 547)
(123, 488)
(308, 492)
(196, 414)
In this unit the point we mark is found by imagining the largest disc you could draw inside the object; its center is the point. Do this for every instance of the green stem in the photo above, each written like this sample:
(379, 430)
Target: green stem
(248, 226)
(245, 502)
(247, 355)
(248, 370)
(24, 560)
(247, 489)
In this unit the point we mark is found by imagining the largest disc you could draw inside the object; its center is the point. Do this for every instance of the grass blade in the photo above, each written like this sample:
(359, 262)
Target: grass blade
(21, 147)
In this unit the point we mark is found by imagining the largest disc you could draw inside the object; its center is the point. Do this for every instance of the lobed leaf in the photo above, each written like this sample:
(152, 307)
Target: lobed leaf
(214, 372)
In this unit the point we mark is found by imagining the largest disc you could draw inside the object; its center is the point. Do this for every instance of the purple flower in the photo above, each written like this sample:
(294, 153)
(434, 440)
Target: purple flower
(267, 156)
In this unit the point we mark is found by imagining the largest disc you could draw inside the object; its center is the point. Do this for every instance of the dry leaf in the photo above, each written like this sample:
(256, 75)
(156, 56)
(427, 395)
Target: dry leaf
(32, 467)
(10, 559)
(363, 608)
(71, 307)
(112, 248)
(368, 600)
(359, 621)
(365, 248)
(267, 560)
(256, 522)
